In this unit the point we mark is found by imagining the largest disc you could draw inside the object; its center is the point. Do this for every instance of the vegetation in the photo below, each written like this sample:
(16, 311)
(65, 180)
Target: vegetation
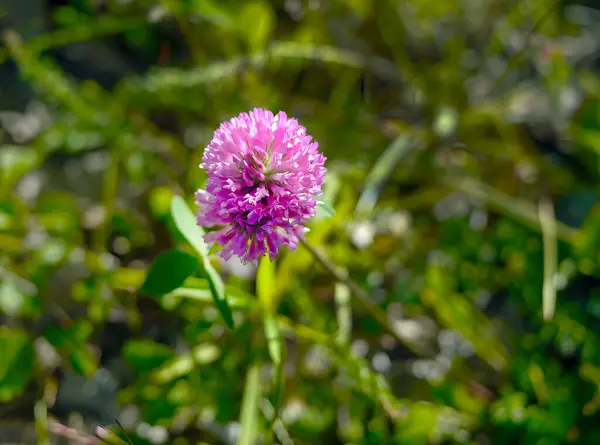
(462, 140)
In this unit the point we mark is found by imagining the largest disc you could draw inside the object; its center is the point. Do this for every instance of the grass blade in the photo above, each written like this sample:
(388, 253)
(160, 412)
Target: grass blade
(380, 173)
(168, 272)
(249, 415)
(344, 313)
(548, 226)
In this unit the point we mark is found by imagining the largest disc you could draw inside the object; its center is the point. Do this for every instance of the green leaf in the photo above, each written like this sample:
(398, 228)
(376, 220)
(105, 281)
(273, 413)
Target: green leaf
(212, 11)
(81, 330)
(83, 361)
(344, 312)
(324, 210)
(202, 355)
(262, 17)
(331, 188)
(145, 354)
(126, 278)
(206, 353)
(168, 272)
(12, 300)
(187, 225)
(161, 201)
(57, 336)
(16, 366)
(421, 423)
(16, 161)
(70, 345)
(59, 213)
(237, 298)
(380, 173)
(249, 416)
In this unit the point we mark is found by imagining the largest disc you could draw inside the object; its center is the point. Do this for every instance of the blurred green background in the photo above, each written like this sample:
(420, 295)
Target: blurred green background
(462, 139)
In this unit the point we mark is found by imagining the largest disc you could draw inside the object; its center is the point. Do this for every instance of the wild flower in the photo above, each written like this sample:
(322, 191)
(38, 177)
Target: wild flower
(264, 173)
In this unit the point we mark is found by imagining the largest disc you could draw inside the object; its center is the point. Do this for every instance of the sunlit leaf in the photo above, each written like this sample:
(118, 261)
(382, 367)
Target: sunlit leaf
(325, 210)
(380, 173)
(16, 161)
(236, 298)
(81, 330)
(188, 226)
(331, 188)
(249, 419)
(203, 354)
(12, 300)
(260, 13)
(548, 227)
(161, 201)
(422, 422)
(213, 11)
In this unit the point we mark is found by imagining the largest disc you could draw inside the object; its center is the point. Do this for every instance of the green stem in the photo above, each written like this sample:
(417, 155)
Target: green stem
(361, 296)
(548, 226)
(110, 186)
(99, 27)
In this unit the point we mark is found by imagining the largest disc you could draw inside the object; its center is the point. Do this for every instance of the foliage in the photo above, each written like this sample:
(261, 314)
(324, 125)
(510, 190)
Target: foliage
(462, 145)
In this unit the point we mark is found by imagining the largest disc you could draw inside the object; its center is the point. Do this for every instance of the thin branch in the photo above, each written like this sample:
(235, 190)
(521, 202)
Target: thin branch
(361, 296)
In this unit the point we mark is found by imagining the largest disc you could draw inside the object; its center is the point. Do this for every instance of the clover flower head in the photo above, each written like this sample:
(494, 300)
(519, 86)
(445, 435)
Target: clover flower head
(264, 172)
